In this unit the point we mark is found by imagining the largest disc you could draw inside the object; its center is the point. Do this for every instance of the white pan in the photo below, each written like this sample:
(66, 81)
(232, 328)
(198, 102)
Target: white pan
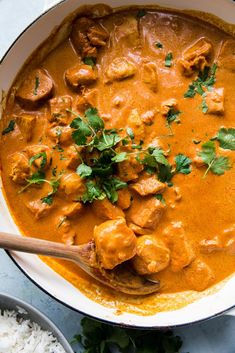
(45, 278)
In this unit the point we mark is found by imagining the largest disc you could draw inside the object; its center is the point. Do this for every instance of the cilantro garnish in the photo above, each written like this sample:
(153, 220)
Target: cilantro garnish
(141, 13)
(97, 337)
(172, 115)
(93, 192)
(183, 164)
(216, 164)
(37, 83)
(42, 156)
(159, 45)
(9, 128)
(160, 198)
(89, 61)
(84, 170)
(168, 59)
(206, 79)
(226, 138)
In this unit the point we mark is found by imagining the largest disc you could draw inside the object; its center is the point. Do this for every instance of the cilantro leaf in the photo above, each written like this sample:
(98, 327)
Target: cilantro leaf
(107, 141)
(110, 187)
(9, 128)
(160, 198)
(93, 192)
(119, 157)
(141, 13)
(47, 199)
(204, 106)
(94, 119)
(172, 115)
(89, 60)
(130, 133)
(84, 170)
(158, 154)
(226, 138)
(216, 164)
(82, 131)
(206, 79)
(208, 152)
(97, 337)
(37, 83)
(37, 156)
(168, 59)
(183, 164)
(159, 45)
(165, 174)
(220, 165)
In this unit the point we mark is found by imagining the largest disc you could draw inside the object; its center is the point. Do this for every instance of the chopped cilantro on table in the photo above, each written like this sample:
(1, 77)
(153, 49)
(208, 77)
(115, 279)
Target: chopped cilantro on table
(97, 337)
(9, 128)
(216, 164)
(168, 59)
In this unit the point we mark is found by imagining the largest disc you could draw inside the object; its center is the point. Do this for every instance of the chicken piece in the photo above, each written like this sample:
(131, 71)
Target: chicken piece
(227, 55)
(229, 239)
(215, 101)
(66, 231)
(104, 209)
(147, 185)
(199, 275)
(208, 246)
(115, 242)
(87, 35)
(135, 122)
(182, 253)
(196, 57)
(33, 150)
(149, 75)
(152, 255)
(72, 185)
(124, 198)
(80, 75)
(146, 213)
(126, 33)
(148, 117)
(35, 89)
(81, 104)
(61, 135)
(129, 169)
(73, 156)
(91, 97)
(137, 229)
(39, 209)
(20, 169)
(167, 105)
(119, 69)
(73, 210)
(58, 109)
(26, 124)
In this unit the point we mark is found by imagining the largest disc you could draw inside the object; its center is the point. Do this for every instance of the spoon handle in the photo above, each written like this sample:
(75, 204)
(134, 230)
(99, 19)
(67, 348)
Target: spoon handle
(37, 246)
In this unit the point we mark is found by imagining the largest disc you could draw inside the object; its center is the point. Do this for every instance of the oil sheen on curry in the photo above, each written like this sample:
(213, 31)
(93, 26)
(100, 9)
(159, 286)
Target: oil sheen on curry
(124, 134)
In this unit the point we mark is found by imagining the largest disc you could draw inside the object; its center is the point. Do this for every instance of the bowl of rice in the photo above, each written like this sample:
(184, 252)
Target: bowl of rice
(24, 329)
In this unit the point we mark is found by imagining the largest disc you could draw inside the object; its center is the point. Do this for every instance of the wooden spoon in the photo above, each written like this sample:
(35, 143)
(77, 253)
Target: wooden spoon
(121, 278)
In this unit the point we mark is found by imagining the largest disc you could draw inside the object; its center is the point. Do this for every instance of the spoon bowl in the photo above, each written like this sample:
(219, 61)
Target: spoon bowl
(122, 278)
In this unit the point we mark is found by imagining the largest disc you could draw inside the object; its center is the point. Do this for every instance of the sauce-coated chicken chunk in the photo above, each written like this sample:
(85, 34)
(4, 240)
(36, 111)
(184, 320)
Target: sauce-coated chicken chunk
(115, 242)
(152, 255)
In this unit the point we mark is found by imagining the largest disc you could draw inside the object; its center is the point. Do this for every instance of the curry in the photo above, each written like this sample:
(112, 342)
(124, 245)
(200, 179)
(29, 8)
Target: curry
(124, 134)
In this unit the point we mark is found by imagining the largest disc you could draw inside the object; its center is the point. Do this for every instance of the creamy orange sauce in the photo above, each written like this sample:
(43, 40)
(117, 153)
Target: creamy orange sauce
(206, 207)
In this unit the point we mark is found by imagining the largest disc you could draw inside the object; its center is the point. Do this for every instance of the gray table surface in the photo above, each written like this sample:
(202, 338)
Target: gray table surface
(213, 336)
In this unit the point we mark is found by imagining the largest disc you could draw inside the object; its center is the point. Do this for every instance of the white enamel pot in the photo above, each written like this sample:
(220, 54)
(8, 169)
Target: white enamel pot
(210, 306)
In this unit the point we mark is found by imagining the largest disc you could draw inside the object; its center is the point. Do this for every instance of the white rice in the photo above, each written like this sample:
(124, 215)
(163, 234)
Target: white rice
(23, 336)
